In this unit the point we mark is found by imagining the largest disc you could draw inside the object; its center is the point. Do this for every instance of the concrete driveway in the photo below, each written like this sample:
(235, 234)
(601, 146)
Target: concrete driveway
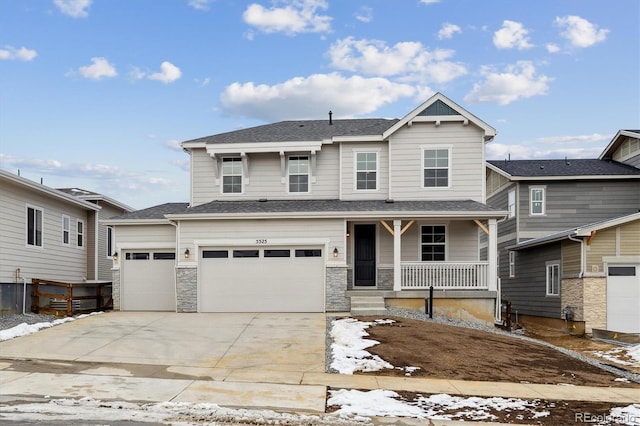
(156, 356)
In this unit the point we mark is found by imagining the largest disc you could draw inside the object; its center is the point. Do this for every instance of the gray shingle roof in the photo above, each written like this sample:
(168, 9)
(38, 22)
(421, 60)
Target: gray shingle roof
(302, 130)
(155, 212)
(320, 206)
(577, 167)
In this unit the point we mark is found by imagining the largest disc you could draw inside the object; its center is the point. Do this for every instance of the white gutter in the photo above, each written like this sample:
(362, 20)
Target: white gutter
(338, 215)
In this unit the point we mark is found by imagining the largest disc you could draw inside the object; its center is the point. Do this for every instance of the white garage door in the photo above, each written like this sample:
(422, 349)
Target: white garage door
(148, 281)
(265, 279)
(623, 298)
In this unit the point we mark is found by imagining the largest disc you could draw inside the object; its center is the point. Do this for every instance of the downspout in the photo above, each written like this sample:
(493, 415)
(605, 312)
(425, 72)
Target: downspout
(96, 246)
(583, 261)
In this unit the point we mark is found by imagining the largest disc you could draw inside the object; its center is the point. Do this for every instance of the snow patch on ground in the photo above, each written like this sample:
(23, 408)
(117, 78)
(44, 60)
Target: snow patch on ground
(629, 355)
(348, 347)
(25, 329)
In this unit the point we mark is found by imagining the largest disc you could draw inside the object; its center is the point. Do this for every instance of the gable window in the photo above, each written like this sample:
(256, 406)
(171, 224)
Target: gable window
(109, 242)
(537, 196)
(66, 229)
(436, 168)
(366, 170)
(512, 264)
(433, 243)
(80, 232)
(299, 173)
(511, 203)
(232, 175)
(34, 226)
(553, 279)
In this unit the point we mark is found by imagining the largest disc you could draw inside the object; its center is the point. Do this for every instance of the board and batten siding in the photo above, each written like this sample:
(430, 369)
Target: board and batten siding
(467, 168)
(54, 260)
(527, 291)
(264, 179)
(574, 203)
(349, 191)
(630, 239)
(571, 259)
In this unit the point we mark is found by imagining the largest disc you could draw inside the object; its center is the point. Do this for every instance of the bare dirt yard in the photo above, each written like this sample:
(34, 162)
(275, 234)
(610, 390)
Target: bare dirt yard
(448, 352)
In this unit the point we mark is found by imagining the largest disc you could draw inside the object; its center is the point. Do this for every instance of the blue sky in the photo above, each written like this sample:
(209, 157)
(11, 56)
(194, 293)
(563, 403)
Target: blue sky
(97, 94)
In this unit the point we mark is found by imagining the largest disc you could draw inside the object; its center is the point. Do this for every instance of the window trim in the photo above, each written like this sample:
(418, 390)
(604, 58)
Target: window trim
(308, 174)
(109, 241)
(445, 244)
(35, 209)
(512, 264)
(449, 167)
(550, 265)
(223, 174)
(543, 202)
(511, 203)
(80, 224)
(356, 170)
(66, 230)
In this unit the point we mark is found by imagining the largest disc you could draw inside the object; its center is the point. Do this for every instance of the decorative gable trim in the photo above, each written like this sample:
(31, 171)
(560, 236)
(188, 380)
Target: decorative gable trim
(438, 109)
(618, 139)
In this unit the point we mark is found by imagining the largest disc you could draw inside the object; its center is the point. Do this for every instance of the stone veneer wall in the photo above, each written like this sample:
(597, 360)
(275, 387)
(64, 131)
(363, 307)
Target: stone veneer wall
(115, 288)
(385, 279)
(595, 303)
(187, 289)
(588, 299)
(335, 288)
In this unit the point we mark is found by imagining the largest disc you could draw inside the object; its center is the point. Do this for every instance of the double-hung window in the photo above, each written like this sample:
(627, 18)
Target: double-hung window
(436, 168)
(512, 264)
(298, 173)
(433, 243)
(66, 229)
(366, 170)
(232, 175)
(80, 233)
(34, 226)
(109, 242)
(553, 279)
(537, 196)
(512, 203)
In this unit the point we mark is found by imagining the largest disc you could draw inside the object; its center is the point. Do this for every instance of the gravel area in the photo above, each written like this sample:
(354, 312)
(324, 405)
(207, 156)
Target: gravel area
(421, 316)
(10, 321)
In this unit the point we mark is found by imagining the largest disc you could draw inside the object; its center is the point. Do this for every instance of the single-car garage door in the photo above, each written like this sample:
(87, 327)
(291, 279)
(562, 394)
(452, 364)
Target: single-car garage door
(623, 298)
(148, 280)
(264, 279)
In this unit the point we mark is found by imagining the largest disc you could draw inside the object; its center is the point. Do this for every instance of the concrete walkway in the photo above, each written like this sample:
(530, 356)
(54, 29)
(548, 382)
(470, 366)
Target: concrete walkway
(271, 361)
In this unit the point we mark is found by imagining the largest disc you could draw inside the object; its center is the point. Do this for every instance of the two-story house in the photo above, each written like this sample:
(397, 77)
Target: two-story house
(303, 216)
(51, 234)
(570, 246)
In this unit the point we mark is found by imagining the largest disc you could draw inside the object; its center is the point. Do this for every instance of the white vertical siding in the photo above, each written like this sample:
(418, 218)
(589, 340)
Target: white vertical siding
(54, 260)
(467, 170)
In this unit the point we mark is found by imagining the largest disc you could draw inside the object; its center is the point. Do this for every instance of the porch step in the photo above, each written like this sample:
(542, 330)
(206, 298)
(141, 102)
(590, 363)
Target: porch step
(367, 305)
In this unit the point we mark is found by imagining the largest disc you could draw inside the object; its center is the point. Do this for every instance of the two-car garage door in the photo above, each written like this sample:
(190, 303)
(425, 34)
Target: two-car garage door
(261, 279)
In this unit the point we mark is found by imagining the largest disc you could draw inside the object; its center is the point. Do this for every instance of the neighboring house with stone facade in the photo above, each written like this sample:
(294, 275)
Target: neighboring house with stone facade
(571, 225)
(322, 216)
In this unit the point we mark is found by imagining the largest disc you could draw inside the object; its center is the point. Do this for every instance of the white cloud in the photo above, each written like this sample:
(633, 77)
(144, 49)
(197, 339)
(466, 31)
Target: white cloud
(553, 48)
(516, 82)
(181, 164)
(168, 73)
(296, 16)
(566, 139)
(200, 4)
(429, 1)
(365, 14)
(512, 35)
(137, 74)
(408, 61)
(98, 69)
(530, 151)
(312, 97)
(448, 30)
(172, 144)
(21, 54)
(580, 32)
(74, 8)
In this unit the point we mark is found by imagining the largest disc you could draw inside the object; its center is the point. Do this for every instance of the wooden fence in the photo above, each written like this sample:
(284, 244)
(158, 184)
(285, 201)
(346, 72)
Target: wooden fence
(58, 298)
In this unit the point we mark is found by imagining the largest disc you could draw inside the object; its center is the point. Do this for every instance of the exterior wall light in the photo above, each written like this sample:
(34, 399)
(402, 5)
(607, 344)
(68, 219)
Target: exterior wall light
(187, 253)
(114, 256)
(335, 252)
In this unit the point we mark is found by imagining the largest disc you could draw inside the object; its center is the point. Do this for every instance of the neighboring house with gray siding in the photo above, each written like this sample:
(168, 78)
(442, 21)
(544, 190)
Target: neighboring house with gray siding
(322, 216)
(49, 234)
(545, 197)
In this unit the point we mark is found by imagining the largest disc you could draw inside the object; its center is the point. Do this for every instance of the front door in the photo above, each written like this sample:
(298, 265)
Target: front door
(364, 256)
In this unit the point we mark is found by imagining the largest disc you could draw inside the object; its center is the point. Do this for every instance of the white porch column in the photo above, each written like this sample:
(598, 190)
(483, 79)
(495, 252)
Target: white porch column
(397, 271)
(492, 255)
